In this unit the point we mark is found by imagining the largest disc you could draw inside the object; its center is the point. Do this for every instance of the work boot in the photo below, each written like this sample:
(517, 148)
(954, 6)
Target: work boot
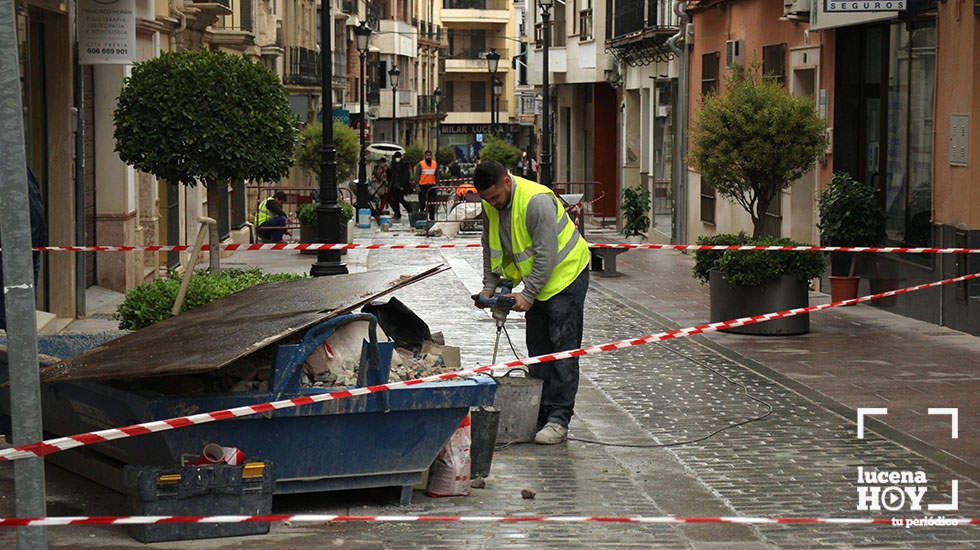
(552, 434)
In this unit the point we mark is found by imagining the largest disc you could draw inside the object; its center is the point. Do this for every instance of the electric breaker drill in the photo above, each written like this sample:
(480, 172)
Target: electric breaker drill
(499, 308)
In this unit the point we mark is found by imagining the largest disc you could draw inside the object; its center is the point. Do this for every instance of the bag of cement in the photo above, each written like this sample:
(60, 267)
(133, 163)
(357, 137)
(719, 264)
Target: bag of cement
(449, 475)
(335, 362)
(466, 211)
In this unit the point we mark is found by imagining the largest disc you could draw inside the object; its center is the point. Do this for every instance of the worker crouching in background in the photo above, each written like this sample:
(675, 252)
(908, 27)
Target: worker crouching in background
(527, 236)
(271, 219)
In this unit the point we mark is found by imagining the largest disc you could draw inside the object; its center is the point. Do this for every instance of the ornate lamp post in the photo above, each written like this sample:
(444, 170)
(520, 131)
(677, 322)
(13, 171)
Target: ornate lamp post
(493, 61)
(362, 34)
(393, 74)
(327, 212)
(544, 170)
(498, 89)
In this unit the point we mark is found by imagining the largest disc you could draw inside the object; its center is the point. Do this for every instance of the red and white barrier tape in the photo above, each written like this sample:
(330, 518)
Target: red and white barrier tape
(356, 246)
(327, 518)
(56, 445)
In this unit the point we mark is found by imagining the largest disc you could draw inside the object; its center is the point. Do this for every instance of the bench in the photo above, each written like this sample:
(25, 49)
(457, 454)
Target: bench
(604, 260)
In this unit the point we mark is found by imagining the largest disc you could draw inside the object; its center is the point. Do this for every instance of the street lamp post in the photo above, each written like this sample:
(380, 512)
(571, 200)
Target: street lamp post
(498, 89)
(438, 95)
(393, 75)
(544, 170)
(327, 211)
(493, 61)
(362, 33)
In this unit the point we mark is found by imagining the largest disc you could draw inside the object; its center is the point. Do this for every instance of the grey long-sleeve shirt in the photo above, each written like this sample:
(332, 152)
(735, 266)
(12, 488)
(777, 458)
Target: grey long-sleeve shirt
(542, 224)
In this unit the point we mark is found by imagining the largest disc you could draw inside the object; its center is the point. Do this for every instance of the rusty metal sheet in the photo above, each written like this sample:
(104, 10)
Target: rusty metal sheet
(214, 335)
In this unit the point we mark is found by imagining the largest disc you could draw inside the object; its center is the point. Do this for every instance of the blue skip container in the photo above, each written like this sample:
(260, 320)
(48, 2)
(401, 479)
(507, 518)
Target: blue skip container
(386, 439)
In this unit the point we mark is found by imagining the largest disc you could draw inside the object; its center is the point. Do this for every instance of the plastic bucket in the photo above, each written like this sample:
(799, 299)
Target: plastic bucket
(518, 398)
(364, 218)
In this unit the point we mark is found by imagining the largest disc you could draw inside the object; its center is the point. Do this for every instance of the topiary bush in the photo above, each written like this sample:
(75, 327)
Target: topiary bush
(500, 151)
(851, 213)
(754, 268)
(205, 117)
(307, 213)
(636, 211)
(345, 142)
(150, 303)
(414, 154)
(754, 141)
(445, 155)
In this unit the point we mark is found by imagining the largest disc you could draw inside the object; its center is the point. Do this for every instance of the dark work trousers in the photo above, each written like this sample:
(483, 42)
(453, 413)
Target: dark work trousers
(552, 326)
(397, 200)
(425, 200)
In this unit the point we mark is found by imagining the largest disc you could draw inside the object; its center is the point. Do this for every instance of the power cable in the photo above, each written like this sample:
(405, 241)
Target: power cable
(745, 391)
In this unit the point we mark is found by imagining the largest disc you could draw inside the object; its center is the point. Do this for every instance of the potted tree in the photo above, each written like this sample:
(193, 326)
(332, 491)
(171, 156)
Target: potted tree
(746, 283)
(308, 220)
(500, 151)
(205, 117)
(636, 213)
(751, 143)
(850, 215)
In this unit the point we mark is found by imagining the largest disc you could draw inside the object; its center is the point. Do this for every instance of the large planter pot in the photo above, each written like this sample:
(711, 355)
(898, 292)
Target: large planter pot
(730, 301)
(843, 288)
(307, 234)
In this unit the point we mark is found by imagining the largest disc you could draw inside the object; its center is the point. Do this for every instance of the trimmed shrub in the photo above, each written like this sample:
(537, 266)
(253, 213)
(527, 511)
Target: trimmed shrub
(151, 302)
(755, 268)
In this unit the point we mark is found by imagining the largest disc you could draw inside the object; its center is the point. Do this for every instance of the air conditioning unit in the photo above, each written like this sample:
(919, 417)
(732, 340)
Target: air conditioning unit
(797, 10)
(733, 53)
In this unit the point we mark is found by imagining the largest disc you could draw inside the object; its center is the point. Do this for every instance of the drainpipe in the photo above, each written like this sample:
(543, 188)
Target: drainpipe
(679, 167)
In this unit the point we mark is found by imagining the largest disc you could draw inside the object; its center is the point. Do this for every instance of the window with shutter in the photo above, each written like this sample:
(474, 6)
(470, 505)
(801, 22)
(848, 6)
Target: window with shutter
(709, 73)
(774, 63)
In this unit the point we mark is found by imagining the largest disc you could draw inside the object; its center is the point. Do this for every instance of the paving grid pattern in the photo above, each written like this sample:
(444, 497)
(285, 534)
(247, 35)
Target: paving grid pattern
(799, 462)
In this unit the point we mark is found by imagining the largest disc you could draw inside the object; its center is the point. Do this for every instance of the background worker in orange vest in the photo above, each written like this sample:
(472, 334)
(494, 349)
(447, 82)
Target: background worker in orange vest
(428, 178)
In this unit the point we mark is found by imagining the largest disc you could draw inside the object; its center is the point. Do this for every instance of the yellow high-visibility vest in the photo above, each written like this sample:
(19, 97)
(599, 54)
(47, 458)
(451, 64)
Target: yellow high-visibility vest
(264, 214)
(573, 252)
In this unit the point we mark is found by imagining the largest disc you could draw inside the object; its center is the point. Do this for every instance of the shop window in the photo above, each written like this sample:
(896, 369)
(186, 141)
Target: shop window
(709, 73)
(907, 190)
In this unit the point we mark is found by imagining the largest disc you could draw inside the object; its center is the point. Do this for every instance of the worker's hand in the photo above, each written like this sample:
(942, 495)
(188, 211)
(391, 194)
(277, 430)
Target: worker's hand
(520, 302)
(485, 294)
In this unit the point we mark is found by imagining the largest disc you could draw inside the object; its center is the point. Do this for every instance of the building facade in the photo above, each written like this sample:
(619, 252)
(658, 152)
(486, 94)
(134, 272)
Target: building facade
(899, 93)
(91, 197)
(473, 28)
(427, 83)
(647, 75)
(584, 99)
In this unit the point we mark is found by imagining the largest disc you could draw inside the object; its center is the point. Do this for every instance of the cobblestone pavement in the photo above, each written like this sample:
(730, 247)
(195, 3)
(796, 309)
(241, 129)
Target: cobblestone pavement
(799, 461)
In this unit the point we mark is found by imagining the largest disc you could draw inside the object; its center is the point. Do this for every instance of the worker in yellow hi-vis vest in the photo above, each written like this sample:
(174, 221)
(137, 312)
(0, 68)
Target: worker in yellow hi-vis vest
(528, 237)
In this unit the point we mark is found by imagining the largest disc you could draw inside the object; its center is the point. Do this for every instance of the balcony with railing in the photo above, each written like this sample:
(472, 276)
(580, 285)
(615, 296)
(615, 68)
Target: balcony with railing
(239, 20)
(475, 11)
(633, 16)
(638, 30)
(302, 67)
(473, 60)
(479, 115)
(396, 38)
(407, 103)
(428, 105)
